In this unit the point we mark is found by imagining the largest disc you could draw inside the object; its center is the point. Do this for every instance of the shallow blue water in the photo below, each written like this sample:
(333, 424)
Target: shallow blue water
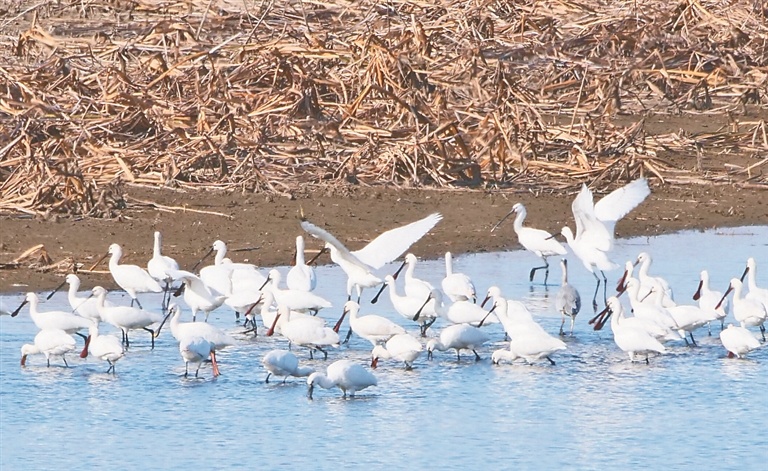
(692, 408)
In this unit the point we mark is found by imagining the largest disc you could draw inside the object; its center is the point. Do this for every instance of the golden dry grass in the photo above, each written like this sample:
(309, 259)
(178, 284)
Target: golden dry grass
(268, 95)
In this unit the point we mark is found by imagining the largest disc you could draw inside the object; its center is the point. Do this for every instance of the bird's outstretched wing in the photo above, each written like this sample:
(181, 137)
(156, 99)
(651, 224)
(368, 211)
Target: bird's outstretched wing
(619, 202)
(393, 243)
(326, 236)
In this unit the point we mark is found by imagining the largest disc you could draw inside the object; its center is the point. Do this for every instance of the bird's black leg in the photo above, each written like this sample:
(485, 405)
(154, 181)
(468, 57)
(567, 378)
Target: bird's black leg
(605, 288)
(65, 361)
(597, 288)
(325, 354)
(477, 357)
(186, 368)
(693, 340)
(551, 361)
(137, 303)
(152, 333)
(267, 380)
(349, 334)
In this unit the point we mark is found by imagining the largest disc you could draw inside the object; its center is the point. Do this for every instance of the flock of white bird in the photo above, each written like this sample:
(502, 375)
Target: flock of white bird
(290, 310)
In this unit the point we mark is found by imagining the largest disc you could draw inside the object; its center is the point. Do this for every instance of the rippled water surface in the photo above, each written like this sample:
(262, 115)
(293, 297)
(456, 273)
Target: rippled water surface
(692, 408)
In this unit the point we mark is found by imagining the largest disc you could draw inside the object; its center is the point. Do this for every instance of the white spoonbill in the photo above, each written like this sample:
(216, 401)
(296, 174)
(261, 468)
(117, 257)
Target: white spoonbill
(592, 258)
(738, 341)
(708, 299)
(597, 221)
(373, 328)
(127, 318)
(195, 349)
(346, 375)
(759, 294)
(301, 301)
(401, 347)
(652, 283)
(284, 363)
(749, 312)
(196, 294)
(631, 340)
(652, 312)
(131, 278)
(360, 264)
(567, 299)
(54, 320)
(457, 286)
(415, 287)
(459, 337)
(51, 343)
(103, 347)
(513, 315)
(301, 277)
(84, 306)
(304, 332)
(462, 312)
(185, 331)
(159, 265)
(530, 346)
(538, 241)
(408, 307)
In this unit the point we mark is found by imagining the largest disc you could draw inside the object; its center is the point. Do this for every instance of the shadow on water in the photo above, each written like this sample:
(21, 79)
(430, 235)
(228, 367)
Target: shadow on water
(589, 411)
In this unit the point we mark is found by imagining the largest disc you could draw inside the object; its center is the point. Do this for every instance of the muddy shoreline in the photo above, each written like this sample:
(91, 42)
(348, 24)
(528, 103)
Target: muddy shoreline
(261, 229)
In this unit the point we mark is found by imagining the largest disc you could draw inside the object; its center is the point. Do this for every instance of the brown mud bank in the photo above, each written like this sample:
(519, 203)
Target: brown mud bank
(261, 229)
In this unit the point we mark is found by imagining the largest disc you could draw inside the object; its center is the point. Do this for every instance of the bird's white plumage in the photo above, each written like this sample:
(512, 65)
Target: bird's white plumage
(284, 363)
(131, 278)
(347, 375)
(159, 265)
(373, 328)
(738, 340)
(301, 277)
(457, 286)
(55, 320)
(50, 343)
(401, 347)
(459, 337)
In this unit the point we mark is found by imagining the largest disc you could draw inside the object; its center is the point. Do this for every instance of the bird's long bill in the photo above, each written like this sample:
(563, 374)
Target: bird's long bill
(418, 313)
(23, 360)
(338, 323)
(374, 362)
(697, 294)
(620, 285)
(84, 353)
(266, 282)
(293, 258)
(601, 323)
(487, 298)
(18, 309)
(207, 254)
(309, 390)
(250, 309)
(744, 275)
(725, 295)
(99, 261)
(180, 290)
(502, 220)
(271, 330)
(650, 292)
(165, 319)
(314, 259)
(486, 316)
(56, 290)
(384, 286)
(214, 365)
(598, 316)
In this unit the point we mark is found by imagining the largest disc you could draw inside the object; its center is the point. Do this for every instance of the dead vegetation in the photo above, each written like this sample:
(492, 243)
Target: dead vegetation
(271, 96)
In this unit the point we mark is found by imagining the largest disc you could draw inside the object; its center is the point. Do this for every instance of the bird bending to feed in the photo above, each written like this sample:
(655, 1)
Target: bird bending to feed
(748, 311)
(628, 338)
(304, 331)
(360, 264)
(531, 346)
(196, 349)
(373, 328)
(457, 286)
(738, 341)
(595, 224)
(127, 318)
(51, 343)
(538, 241)
(103, 347)
(402, 347)
(567, 299)
(284, 363)
(346, 375)
(301, 277)
(131, 278)
(185, 332)
(459, 337)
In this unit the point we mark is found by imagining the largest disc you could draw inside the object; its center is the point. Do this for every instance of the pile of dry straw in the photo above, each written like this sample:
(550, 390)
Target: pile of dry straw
(265, 95)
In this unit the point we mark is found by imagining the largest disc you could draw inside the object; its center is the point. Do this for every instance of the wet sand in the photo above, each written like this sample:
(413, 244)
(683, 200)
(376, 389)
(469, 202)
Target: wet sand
(261, 229)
